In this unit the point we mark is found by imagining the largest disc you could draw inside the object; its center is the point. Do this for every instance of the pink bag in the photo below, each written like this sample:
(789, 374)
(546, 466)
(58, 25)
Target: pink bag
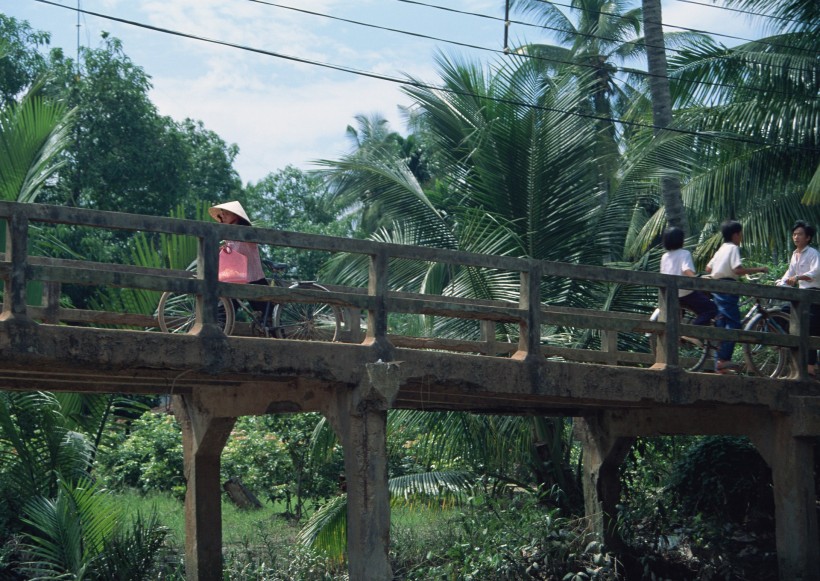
(233, 266)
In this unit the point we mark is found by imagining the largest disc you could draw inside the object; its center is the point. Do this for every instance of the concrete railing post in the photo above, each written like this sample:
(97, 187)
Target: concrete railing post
(529, 340)
(377, 288)
(799, 325)
(14, 301)
(667, 343)
(207, 303)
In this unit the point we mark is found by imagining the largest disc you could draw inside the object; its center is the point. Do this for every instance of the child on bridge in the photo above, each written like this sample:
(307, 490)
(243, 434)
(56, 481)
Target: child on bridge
(678, 261)
(726, 265)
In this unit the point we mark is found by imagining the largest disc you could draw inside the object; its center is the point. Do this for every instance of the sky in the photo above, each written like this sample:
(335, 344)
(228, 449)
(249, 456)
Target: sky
(282, 112)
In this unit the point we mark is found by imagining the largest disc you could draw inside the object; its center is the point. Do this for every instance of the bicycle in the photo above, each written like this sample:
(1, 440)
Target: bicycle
(318, 321)
(762, 360)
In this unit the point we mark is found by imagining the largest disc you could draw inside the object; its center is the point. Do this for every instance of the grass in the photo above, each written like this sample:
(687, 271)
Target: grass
(239, 527)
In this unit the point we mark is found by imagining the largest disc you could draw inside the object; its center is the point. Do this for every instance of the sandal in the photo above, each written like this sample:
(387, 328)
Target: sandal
(727, 368)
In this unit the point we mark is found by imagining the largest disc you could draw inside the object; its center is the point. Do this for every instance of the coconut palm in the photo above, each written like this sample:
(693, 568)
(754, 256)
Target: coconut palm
(599, 39)
(513, 179)
(33, 132)
(749, 143)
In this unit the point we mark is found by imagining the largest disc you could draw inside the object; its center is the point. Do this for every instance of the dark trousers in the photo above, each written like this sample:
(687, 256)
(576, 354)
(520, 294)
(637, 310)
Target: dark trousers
(728, 318)
(260, 305)
(700, 304)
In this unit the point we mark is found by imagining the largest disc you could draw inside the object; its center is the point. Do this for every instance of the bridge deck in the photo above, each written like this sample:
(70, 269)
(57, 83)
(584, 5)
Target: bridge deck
(65, 358)
(436, 373)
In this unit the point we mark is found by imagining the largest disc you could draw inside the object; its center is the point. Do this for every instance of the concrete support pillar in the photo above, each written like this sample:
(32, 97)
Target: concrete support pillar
(792, 462)
(603, 453)
(360, 421)
(203, 438)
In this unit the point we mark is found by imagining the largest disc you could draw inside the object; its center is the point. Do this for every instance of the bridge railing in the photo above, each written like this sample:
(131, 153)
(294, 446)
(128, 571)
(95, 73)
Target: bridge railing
(378, 300)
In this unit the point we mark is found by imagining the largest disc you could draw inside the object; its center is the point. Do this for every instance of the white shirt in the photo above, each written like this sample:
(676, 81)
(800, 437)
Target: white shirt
(677, 262)
(803, 263)
(725, 261)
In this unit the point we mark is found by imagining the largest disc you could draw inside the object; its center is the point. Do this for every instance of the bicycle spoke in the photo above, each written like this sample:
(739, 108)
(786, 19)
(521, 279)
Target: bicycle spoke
(767, 360)
(177, 313)
(307, 321)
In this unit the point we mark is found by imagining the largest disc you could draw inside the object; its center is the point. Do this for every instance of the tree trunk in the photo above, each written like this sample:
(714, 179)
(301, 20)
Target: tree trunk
(661, 104)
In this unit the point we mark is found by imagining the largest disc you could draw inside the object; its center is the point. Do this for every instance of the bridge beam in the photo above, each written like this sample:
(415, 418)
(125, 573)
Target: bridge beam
(203, 438)
(603, 453)
(359, 418)
(796, 531)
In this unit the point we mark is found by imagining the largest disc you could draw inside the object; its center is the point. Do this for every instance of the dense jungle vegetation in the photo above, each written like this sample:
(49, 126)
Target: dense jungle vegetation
(547, 154)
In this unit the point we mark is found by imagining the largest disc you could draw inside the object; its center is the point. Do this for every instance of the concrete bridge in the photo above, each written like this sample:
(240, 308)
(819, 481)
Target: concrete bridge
(614, 396)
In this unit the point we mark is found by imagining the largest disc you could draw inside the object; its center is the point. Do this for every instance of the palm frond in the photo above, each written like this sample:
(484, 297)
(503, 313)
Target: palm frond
(32, 134)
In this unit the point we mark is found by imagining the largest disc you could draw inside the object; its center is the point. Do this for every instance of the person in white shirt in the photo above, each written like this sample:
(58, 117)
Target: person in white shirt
(726, 264)
(678, 261)
(804, 272)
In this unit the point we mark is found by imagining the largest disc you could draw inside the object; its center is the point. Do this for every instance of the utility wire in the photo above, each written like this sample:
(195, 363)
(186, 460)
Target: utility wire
(614, 15)
(595, 36)
(420, 85)
(524, 55)
(761, 14)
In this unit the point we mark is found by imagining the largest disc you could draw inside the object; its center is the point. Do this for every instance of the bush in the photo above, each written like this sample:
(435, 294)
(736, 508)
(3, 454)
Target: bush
(147, 458)
(269, 454)
(724, 479)
(502, 539)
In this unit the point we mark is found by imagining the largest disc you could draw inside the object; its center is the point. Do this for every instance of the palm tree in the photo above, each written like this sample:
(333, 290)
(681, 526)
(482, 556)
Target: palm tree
(512, 180)
(604, 36)
(747, 137)
(662, 105)
(33, 132)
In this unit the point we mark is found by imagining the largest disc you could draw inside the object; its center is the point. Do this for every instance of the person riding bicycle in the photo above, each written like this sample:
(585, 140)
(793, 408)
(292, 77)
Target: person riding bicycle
(804, 272)
(239, 262)
(678, 261)
(726, 264)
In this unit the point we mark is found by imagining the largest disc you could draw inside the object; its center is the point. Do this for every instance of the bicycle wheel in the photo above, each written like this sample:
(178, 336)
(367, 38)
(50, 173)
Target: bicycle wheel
(177, 313)
(767, 360)
(692, 352)
(307, 321)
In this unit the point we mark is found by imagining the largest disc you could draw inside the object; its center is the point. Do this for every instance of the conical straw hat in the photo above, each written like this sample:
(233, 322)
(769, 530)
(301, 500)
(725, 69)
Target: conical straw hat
(232, 207)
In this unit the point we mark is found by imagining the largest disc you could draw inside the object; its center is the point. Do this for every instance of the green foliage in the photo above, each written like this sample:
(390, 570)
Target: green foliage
(67, 533)
(148, 458)
(37, 450)
(33, 133)
(20, 59)
(272, 457)
(513, 538)
(723, 478)
(125, 156)
(276, 562)
(269, 454)
(133, 552)
(81, 534)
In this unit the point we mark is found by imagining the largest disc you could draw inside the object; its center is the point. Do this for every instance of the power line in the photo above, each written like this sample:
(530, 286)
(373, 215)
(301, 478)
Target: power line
(761, 14)
(506, 52)
(595, 36)
(614, 15)
(420, 85)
